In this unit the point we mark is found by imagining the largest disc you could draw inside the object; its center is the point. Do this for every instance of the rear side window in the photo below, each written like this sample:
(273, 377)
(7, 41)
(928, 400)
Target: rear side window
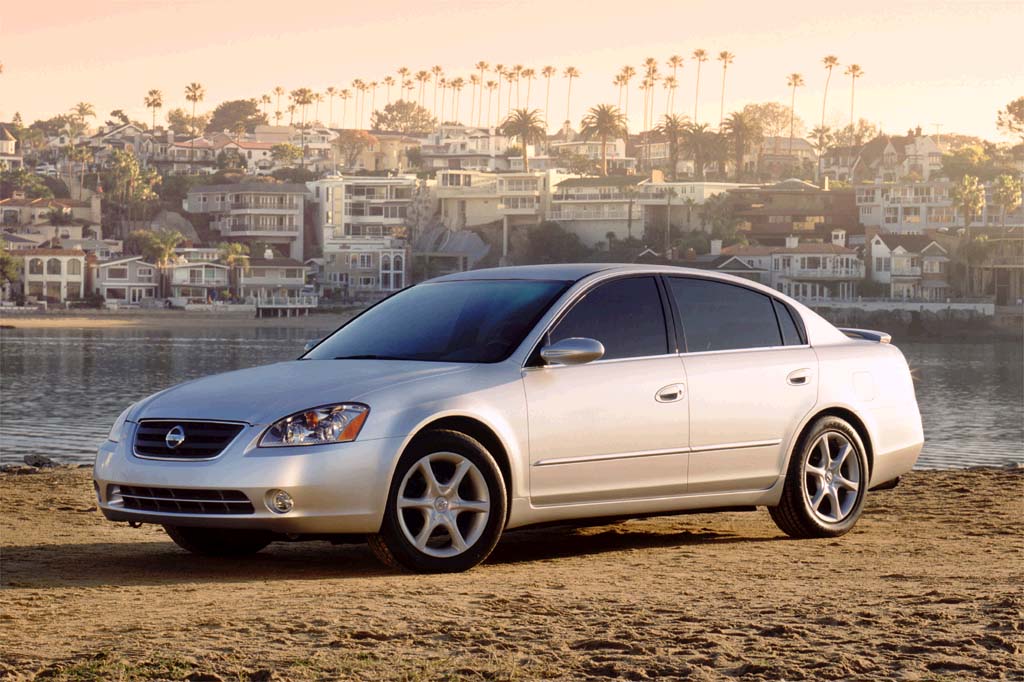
(720, 316)
(625, 315)
(790, 333)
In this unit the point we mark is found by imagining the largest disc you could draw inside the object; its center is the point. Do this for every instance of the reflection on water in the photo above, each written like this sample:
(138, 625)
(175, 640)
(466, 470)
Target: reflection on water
(60, 390)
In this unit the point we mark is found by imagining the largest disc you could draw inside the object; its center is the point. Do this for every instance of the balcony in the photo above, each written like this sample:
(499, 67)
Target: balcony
(595, 196)
(245, 227)
(823, 273)
(248, 205)
(596, 213)
(906, 272)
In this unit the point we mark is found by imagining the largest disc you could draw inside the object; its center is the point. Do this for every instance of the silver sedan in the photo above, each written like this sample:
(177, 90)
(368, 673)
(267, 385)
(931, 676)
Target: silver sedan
(496, 399)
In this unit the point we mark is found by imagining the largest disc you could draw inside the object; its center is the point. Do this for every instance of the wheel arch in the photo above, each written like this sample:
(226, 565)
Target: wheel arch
(847, 415)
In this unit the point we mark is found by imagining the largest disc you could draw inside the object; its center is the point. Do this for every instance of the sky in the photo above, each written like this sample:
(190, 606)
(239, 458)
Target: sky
(946, 66)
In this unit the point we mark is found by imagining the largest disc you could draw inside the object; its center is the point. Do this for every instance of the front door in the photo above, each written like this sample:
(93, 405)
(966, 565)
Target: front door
(615, 428)
(752, 379)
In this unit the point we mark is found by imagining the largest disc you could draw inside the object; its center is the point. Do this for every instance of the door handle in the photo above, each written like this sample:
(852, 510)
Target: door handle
(670, 393)
(799, 377)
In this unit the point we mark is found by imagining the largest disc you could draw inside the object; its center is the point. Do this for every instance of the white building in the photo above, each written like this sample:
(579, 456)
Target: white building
(126, 280)
(912, 207)
(271, 277)
(272, 213)
(592, 208)
(470, 198)
(464, 147)
(912, 266)
(197, 282)
(56, 275)
(10, 155)
(807, 270)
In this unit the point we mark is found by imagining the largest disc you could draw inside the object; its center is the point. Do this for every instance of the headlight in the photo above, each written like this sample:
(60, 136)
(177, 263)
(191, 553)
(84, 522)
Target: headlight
(317, 426)
(116, 430)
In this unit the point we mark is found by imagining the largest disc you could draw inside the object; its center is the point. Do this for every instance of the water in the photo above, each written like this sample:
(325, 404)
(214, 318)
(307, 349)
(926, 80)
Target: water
(61, 389)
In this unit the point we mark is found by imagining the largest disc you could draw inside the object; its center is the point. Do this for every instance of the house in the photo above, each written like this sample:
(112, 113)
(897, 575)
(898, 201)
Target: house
(247, 212)
(197, 282)
(56, 275)
(618, 160)
(272, 277)
(10, 151)
(439, 251)
(887, 158)
(19, 242)
(913, 206)
(128, 280)
(102, 249)
(468, 198)
(18, 210)
(465, 147)
(770, 213)
(255, 158)
(781, 157)
(658, 198)
(806, 270)
(593, 208)
(363, 224)
(913, 266)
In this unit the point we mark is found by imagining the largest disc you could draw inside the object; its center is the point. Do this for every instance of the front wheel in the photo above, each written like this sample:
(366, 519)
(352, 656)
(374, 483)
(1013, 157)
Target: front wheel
(219, 541)
(446, 506)
(826, 482)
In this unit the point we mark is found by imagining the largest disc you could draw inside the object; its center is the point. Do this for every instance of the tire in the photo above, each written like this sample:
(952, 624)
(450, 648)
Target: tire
(442, 525)
(823, 495)
(219, 541)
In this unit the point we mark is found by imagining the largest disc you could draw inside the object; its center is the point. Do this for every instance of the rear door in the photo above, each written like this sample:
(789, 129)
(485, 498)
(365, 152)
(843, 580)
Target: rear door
(615, 428)
(751, 379)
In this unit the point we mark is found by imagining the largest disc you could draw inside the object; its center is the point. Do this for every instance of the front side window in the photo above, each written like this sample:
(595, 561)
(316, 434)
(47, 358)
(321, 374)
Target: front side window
(719, 316)
(625, 315)
(454, 321)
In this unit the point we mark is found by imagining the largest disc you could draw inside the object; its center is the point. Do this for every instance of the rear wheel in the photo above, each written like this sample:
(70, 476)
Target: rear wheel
(446, 506)
(826, 482)
(219, 541)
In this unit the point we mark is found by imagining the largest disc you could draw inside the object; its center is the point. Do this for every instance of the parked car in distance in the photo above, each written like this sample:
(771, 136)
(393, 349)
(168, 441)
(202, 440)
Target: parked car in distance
(46, 169)
(490, 400)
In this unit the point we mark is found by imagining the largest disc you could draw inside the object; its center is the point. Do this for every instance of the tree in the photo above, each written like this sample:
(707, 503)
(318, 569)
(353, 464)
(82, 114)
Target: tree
(157, 245)
(154, 100)
(549, 242)
(571, 72)
(773, 118)
(854, 72)
(1011, 119)
(278, 93)
(118, 118)
(831, 61)
(285, 154)
(235, 255)
(675, 62)
(302, 97)
(726, 59)
(526, 126)
(575, 163)
(856, 136)
(672, 128)
(702, 144)
(234, 113)
(822, 139)
(180, 122)
(194, 93)
(1006, 194)
(20, 179)
(10, 268)
(743, 133)
(794, 81)
(403, 116)
(129, 189)
(627, 74)
(700, 56)
(968, 198)
(58, 216)
(603, 121)
(352, 143)
(82, 111)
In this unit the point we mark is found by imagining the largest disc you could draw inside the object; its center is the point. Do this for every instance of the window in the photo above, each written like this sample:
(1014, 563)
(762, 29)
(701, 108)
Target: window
(74, 267)
(790, 332)
(53, 267)
(882, 264)
(117, 273)
(365, 260)
(719, 316)
(625, 315)
(35, 266)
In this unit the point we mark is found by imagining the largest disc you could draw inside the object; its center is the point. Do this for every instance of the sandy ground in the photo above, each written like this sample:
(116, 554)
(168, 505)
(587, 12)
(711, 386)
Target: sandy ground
(173, 319)
(929, 586)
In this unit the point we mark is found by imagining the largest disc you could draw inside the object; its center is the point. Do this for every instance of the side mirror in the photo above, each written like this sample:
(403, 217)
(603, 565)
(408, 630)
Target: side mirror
(572, 351)
(310, 345)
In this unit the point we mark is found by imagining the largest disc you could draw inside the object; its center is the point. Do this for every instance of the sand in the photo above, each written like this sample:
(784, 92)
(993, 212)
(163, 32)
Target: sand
(927, 587)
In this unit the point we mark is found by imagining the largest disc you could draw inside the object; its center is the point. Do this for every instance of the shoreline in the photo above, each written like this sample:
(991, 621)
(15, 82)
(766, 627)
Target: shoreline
(927, 586)
(170, 319)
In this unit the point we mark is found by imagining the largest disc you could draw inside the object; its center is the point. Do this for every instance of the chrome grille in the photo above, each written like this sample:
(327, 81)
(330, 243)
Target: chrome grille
(203, 440)
(182, 500)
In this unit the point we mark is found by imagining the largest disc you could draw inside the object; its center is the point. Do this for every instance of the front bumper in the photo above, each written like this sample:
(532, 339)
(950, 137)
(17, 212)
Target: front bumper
(338, 488)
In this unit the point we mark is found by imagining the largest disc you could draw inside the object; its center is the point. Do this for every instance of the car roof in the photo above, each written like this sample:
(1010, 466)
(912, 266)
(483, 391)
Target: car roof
(573, 272)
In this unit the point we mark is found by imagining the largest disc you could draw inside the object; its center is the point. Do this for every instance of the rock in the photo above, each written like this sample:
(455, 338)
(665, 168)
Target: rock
(264, 676)
(39, 461)
(204, 677)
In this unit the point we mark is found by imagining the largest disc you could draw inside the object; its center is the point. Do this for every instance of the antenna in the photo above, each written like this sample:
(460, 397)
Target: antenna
(938, 133)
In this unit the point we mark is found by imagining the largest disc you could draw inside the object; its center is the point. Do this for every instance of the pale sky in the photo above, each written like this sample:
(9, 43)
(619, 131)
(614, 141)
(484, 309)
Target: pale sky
(951, 63)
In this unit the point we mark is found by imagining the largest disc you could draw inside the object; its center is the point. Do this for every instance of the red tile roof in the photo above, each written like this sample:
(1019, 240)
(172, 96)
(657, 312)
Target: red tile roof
(51, 252)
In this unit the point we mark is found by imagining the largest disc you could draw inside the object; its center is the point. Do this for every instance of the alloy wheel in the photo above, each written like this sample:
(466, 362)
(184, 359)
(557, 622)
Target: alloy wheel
(832, 477)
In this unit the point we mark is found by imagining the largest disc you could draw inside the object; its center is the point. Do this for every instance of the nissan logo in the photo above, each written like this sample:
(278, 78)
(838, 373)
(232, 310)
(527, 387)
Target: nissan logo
(175, 437)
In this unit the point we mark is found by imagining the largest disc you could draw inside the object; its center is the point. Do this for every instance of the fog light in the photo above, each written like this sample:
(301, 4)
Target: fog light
(279, 502)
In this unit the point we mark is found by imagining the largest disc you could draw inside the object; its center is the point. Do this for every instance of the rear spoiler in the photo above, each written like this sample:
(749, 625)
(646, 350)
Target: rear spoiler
(867, 335)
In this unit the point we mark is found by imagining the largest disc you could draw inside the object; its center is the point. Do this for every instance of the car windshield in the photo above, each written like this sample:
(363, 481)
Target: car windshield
(455, 321)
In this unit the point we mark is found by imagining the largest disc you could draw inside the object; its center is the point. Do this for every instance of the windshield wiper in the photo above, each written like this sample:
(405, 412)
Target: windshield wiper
(368, 357)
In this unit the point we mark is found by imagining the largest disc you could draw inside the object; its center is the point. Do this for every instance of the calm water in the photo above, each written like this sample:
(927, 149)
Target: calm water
(60, 390)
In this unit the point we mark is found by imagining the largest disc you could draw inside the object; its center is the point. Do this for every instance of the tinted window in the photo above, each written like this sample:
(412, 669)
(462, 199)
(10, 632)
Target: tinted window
(460, 321)
(718, 316)
(790, 333)
(625, 315)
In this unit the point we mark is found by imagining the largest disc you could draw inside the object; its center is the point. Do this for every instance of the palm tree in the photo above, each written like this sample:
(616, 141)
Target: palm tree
(1006, 195)
(968, 198)
(702, 144)
(530, 75)
(456, 85)
(570, 73)
(491, 87)
(651, 75)
(278, 91)
(437, 72)
(302, 97)
(854, 72)
(317, 98)
(603, 121)
(332, 92)
(363, 87)
(675, 62)
(291, 113)
(726, 58)
(388, 82)
(474, 83)
(794, 81)
(194, 93)
(481, 66)
(743, 133)
(499, 73)
(528, 127)
(234, 255)
(403, 76)
(265, 100)
(627, 74)
(548, 72)
(154, 100)
(672, 128)
(700, 56)
(83, 110)
(510, 78)
(822, 139)
(358, 90)
(517, 72)
(422, 77)
(670, 87)
(830, 61)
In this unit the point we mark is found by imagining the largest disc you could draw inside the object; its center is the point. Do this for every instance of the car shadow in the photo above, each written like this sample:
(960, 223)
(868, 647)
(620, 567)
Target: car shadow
(155, 562)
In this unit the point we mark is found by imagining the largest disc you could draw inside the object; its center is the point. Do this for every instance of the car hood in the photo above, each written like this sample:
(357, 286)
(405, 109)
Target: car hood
(262, 395)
